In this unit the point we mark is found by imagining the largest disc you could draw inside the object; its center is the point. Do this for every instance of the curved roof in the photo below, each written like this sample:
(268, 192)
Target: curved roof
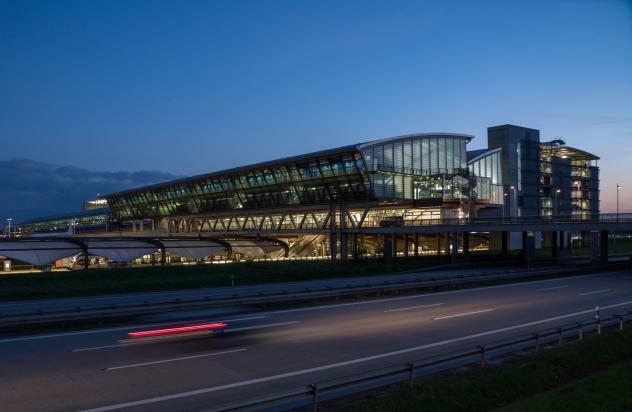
(276, 162)
(409, 136)
(474, 155)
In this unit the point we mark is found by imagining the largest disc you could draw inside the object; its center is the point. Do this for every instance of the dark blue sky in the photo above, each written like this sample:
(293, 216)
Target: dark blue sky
(190, 87)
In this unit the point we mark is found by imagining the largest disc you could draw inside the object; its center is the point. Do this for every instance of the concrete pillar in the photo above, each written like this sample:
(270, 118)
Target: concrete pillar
(438, 240)
(446, 243)
(554, 244)
(454, 237)
(416, 244)
(594, 246)
(388, 248)
(333, 239)
(603, 246)
(355, 249)
(466, 243)
(528, 248)
(505, 243)
(343, 246)
(343, 232)
(406, 245)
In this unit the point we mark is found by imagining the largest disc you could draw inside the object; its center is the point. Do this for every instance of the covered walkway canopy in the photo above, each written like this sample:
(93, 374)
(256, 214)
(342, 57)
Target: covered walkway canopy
(45, 251)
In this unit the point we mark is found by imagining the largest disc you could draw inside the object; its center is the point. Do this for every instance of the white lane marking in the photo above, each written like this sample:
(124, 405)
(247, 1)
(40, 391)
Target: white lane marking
(414, 307)
(135, 365)
(593, 292)
(325, 307)
(463, 314)
(107, 330)
(128, 343)
(428, 295)
(553, 288)
(202, 391)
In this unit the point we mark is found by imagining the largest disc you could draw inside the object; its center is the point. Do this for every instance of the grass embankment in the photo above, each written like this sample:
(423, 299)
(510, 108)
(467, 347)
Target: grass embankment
(144, 279)
(583, 376)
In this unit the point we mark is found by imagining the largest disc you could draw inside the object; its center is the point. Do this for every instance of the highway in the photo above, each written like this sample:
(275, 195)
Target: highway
(7, 308)
(264, 352)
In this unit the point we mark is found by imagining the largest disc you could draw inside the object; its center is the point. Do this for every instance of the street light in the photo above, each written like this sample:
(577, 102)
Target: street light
(557, 205)
(619, 187)
(515, 201)
(504, 205)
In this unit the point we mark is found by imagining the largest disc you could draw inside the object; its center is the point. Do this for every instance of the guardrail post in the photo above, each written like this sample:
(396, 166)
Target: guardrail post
(537, 342)
(411, 370)
(314, 389)
(598, 326)
(482, 348)
(620, 322)
(559, 337)
(581, 331)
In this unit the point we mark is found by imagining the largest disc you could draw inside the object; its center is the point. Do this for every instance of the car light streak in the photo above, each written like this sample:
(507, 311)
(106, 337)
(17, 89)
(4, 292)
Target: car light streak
(183, 329)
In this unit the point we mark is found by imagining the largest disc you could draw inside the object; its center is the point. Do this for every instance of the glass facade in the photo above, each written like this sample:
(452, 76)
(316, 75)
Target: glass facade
(487, 171)
(416, 167)
(337, 174)
(569, 181)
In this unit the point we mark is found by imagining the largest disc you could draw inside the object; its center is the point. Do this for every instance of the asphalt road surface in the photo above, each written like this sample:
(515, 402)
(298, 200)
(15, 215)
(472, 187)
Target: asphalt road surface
(266, 352)
(27, 306)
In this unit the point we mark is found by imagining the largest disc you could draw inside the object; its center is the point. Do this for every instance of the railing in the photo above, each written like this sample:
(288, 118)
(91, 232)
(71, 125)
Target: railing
(315, 392)
(509, 220)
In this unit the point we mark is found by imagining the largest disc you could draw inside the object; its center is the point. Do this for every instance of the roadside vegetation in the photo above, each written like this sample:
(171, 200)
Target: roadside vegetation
(582, 376)
(157, 278)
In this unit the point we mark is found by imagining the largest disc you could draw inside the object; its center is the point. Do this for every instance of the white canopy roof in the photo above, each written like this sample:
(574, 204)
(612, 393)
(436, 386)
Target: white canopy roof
(39, 253)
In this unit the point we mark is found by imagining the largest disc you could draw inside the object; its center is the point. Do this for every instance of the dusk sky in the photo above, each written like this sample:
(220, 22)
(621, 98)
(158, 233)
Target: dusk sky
(192, 87)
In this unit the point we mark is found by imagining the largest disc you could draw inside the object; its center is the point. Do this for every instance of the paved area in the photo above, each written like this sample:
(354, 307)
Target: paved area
(265, 352)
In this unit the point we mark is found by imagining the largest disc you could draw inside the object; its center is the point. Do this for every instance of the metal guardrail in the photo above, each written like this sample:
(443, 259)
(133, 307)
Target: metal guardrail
(86, 312)
(316, 392)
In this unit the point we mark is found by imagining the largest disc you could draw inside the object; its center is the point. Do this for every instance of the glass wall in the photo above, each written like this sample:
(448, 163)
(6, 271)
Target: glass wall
(313, 180)
(487, 173)
(416, 167)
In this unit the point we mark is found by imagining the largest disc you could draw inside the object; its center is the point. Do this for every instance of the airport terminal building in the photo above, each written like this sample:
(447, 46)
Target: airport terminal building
(317, 205)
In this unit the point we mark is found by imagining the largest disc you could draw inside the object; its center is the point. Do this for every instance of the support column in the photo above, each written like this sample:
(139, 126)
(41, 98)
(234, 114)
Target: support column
(406, 245)
(389, 248)
(466, 244)
(594, 246)
(505, 243)
(603, 246)
(528, 248)
(333, 240)
(343, 232)
(554, 243)
(438, 241)
(355, 247)
(454, 237)
(446, 243)
(416, 244)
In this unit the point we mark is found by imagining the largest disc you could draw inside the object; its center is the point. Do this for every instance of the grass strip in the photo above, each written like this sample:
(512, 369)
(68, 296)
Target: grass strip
(609, 390)
(145, 279)
(498, 386)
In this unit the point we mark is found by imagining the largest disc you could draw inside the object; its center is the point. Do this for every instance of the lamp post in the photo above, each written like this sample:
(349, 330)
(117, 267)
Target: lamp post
(619, 187)
(9, 226)
(514, 198)
(504, 205)
(557, 205)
